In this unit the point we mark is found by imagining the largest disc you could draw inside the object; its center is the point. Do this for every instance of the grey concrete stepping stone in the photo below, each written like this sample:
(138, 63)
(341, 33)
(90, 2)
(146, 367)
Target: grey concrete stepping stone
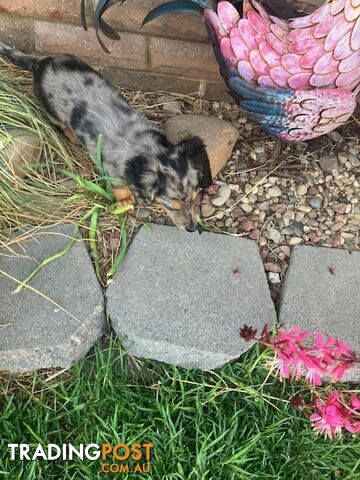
(181, 298)
(35, 333)
(322, 293)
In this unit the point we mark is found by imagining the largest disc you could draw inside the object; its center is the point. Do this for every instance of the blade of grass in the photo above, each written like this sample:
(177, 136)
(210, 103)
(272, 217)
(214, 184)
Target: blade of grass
(122, 251)
(92, 239)
(90, 186)
(57, 255)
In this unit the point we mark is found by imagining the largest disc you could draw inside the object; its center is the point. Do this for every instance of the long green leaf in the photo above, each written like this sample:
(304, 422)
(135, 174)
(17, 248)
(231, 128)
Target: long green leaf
(90, 186)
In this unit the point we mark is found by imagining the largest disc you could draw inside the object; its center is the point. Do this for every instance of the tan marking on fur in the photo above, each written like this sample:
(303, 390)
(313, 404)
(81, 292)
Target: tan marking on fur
(123, 196)
(70, 135)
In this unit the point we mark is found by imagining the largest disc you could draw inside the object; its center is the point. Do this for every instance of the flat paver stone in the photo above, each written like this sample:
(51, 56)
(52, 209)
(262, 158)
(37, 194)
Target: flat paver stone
(322, 293)
(34, 332)
(181, 298)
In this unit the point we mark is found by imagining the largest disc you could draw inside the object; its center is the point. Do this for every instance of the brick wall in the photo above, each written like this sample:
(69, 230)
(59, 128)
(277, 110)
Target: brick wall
(172, 53)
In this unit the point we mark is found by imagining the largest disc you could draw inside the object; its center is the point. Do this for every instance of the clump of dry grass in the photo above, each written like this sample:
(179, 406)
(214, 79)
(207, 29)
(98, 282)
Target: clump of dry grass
(44, 195)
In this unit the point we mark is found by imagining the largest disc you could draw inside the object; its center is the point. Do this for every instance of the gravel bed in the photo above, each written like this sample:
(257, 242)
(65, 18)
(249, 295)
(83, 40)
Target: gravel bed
(280, 195)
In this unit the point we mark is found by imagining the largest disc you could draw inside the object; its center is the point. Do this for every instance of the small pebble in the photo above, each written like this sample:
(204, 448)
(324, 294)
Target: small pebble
(316, 202)
(246, 207)
(275, 235)
(222, 196)
(272, 267)
(143, 213)
(286, 250)
(207, 210)
(301, 190)
(295, 241)
(274, 192)
(274, 278)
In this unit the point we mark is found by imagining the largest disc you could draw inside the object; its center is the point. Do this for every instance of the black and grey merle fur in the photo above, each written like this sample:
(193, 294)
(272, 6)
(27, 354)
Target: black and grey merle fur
(76, 96)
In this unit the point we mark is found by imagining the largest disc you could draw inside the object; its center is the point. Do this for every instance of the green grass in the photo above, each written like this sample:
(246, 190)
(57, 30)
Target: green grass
(233, 424)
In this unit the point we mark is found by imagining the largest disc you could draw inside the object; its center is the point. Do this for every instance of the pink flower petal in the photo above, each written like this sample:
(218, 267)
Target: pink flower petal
(338, 372)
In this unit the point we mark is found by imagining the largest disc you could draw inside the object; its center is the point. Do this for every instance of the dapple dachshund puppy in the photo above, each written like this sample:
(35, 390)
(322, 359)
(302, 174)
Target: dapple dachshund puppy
(83, 104)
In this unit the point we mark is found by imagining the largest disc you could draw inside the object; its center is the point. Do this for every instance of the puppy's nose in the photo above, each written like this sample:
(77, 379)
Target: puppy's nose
(191, 228)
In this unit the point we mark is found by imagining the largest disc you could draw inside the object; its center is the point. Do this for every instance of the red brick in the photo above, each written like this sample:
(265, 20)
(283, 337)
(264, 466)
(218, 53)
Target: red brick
(129, 51)
(183, 58)
(55, 9)
(17, 32)
(129, 16)
(149, 81)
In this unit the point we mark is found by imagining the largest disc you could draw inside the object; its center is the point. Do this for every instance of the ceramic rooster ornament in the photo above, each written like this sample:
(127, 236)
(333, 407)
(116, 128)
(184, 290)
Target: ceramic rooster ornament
(297, 78)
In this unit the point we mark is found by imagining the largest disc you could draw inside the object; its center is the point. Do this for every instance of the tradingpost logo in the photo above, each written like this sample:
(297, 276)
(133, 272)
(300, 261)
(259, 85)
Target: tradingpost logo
(132, 458)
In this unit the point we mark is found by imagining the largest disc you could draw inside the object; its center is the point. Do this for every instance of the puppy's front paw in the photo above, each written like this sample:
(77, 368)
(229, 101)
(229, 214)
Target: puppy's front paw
(123, 196)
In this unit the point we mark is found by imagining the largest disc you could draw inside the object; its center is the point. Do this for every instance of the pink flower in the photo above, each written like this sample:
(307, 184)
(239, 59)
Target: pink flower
(338, 372)
(335, 414)
(293, 358)
(332, 416)
(312, 360)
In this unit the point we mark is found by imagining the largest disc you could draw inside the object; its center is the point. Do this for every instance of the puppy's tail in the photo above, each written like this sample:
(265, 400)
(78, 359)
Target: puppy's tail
(21, 60)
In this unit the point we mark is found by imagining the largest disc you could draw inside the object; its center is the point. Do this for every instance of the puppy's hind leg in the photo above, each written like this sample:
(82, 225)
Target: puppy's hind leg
(65, 129)
(69, 134)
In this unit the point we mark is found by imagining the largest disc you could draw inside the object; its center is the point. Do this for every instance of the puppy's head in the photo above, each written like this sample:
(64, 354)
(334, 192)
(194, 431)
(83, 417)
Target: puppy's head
(183, 171)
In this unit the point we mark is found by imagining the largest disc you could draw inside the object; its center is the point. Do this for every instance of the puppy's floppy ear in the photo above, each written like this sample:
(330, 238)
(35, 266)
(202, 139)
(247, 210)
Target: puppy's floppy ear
(196, 152)
(143, 174)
